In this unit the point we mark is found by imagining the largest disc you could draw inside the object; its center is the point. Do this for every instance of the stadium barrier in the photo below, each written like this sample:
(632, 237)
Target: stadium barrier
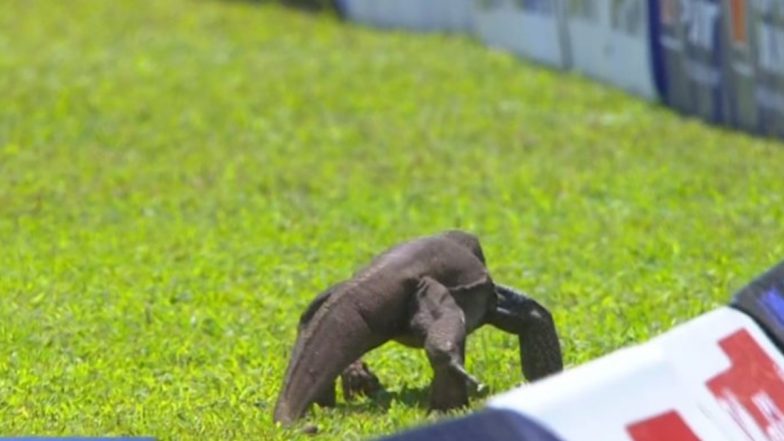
(757, 34)
(417, 15)
(717, 377)
(531, 28)
(738, 67)
(721, 60)
(360, 11)
(688, 43)
(609, 41)
(452, 15)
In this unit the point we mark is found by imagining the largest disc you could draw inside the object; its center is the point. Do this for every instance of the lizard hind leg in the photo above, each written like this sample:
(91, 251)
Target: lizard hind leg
(441, 322)
(540, 350)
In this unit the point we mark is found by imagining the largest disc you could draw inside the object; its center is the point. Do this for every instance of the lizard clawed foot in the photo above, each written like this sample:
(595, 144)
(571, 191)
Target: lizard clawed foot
(476, 385)
(358, 379)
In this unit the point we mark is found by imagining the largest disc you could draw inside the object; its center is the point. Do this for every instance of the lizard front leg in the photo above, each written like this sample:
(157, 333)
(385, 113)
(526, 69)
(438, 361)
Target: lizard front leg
(358, 379)
(327, 396)
(440, 321)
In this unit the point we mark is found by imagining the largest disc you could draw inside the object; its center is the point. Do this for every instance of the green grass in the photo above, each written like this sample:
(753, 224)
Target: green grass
(180, 178)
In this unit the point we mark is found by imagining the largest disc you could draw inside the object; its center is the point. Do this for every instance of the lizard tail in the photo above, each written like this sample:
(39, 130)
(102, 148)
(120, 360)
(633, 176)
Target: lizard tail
(540, 350)
(334, 336)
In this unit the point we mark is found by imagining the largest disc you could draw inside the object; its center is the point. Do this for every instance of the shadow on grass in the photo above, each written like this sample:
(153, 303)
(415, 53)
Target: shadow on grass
(418, 397)
(410, 397)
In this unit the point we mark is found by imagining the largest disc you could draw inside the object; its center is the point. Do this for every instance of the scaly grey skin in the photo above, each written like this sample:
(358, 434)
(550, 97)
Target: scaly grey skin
(427, 293)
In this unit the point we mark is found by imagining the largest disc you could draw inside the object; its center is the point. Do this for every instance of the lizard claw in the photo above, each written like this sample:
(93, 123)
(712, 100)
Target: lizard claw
(358, 379)
(475, 384)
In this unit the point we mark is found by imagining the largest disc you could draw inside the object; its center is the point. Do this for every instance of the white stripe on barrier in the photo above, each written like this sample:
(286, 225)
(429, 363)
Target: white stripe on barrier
(716, 377)
(411, 14)
(420, 15)
(609, 41)
(452, 15)
(360, 11)
(534, 33)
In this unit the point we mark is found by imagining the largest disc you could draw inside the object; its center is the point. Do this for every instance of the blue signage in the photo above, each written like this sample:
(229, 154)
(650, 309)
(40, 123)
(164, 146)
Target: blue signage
(767, 38)
(687, 50)
(738, 67)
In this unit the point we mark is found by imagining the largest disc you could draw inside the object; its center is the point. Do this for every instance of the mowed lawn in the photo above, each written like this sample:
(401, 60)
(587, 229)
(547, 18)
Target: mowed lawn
(179, 178)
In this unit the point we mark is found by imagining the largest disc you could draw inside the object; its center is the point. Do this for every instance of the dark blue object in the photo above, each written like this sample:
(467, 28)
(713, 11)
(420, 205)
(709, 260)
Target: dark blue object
(773, 303)
(487, 425)
(657, 63)
(342, 8)
(763, 300)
